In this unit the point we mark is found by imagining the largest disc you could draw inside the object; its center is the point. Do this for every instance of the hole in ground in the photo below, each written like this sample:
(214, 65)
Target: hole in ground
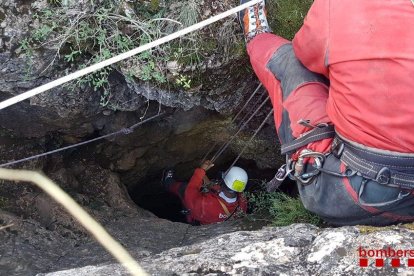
(151, 195)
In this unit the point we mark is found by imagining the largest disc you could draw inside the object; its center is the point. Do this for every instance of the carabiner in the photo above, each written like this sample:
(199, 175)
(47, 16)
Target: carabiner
(308, 153)
(307, 177)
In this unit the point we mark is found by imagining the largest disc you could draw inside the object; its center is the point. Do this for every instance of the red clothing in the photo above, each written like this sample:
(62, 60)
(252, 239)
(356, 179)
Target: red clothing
(205, 207)
(369, 60)
(366, 49)
(305, 102)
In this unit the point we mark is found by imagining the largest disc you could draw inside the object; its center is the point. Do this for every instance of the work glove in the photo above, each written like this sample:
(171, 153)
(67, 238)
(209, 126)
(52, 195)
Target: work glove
(207, 165)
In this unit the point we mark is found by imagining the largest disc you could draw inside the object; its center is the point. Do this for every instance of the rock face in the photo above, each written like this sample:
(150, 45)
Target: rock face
(30, 246)
(295, 250)
(195, 119)
(75, 110)
(39, 237)
(36, 234)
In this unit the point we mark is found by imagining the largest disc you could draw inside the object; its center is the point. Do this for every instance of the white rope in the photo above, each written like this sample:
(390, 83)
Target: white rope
(102, 64)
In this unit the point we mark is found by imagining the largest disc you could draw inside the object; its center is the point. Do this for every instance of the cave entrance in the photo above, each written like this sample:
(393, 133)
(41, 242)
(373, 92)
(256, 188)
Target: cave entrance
(151, 195)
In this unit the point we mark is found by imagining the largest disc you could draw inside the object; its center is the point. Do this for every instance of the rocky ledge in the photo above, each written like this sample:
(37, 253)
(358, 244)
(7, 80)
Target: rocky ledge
(299, 249)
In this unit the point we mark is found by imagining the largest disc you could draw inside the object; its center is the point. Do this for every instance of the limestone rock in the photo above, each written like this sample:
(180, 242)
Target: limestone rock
(294, 250)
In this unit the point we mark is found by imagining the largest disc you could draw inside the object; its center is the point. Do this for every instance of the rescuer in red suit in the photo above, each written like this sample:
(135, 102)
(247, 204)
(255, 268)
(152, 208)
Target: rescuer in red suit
(348, 73)
(218, 203)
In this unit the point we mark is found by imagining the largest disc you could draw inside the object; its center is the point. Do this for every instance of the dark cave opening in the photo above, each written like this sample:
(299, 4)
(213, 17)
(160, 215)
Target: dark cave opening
(152, 196)
(149, 194)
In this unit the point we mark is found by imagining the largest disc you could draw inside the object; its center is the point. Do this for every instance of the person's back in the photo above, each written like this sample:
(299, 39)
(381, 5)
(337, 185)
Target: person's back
(368, 47)
(218, 203)
(210, 207)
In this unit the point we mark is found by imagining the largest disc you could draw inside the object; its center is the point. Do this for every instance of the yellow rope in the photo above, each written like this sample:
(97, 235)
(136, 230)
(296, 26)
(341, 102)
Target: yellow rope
(94, 228)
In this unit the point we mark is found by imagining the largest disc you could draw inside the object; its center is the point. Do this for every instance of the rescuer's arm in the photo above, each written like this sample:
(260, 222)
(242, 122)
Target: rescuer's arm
(193, 189)
(311, 44)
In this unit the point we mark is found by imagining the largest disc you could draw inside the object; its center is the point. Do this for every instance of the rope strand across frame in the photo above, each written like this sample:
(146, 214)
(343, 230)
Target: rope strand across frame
(225, 145)
(119, 132)
(233, 120)
(251, 139)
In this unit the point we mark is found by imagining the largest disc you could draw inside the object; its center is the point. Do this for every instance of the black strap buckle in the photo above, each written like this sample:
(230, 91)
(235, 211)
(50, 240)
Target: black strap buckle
(383, 176)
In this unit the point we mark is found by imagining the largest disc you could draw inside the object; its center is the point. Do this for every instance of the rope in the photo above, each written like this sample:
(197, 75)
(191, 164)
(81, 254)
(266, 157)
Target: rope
(251, 139)
(248, 101)
(225, 145)
(232, 121)
(73, 208)
(110, 61)
(257, 102)
(122, 131)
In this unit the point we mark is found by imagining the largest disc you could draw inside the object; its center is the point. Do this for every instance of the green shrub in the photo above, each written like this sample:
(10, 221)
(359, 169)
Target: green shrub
(83, 38)
(286, 210)
(281, 209)
(106, 28)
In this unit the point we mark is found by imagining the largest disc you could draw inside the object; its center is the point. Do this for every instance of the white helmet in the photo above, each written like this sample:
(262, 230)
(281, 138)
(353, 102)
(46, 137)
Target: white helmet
(236, 179)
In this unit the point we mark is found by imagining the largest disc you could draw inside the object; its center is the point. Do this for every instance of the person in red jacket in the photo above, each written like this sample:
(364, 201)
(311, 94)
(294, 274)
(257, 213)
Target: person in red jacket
(217, 203)
(342, 94)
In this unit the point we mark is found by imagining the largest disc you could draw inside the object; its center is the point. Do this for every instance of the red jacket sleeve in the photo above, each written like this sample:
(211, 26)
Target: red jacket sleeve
(192, 193)
(311, 42)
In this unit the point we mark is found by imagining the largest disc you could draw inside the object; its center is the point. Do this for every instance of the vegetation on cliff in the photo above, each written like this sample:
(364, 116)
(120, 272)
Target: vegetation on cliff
(82, 33)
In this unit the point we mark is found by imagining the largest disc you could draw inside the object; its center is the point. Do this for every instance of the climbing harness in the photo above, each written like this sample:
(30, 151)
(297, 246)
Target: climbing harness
(299, 173)
(123, 131)
(224, 207)
(295, 169)
(232, 213)
(385, 168)
(233, 120)
(317, 133)
(382, 167)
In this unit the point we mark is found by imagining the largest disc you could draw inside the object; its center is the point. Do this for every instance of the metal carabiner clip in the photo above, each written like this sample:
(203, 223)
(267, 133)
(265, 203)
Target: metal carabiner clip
(284, 171)
(305, 178)
(281, 174)
(314, 154)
